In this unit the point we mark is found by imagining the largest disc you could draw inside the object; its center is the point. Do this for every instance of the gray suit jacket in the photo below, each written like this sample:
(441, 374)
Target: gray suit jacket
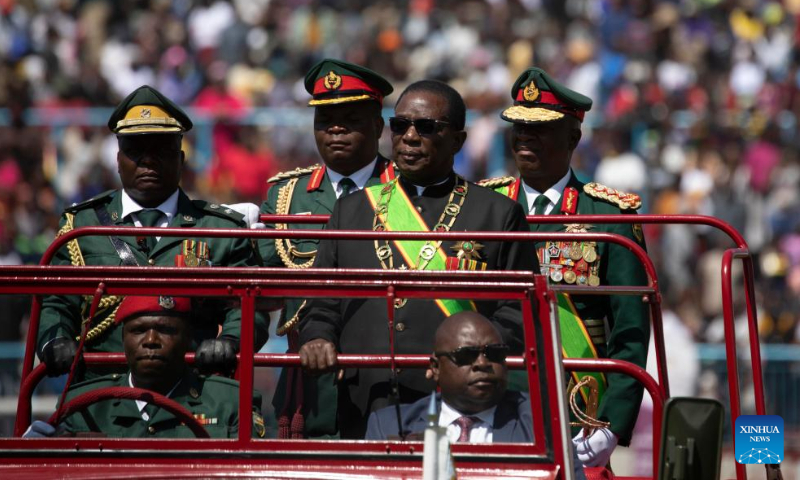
(512, 422)
(512, 419)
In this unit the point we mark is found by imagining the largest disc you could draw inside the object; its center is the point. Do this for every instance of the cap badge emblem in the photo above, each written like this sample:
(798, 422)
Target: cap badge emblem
(166, 302)
(332, 81)
(145, 113)
(530, 93)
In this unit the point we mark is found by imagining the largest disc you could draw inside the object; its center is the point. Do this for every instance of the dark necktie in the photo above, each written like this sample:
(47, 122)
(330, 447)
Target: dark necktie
(347, 186)
(540, 204)
(149, 218)
(465, 424)
(150, 410)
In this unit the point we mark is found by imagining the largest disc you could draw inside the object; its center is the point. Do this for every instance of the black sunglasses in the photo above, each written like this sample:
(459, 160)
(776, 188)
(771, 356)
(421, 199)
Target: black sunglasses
(462, 356)
(423, 126)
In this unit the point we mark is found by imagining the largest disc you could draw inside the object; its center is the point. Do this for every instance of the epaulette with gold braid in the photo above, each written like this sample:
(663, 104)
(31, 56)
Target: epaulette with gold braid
(496, 182)
(625, 201)
(297, 172)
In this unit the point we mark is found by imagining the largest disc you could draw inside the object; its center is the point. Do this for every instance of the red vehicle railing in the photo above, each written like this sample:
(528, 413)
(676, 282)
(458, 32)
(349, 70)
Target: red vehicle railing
(740, 252)
(296, 283)
(250, 283)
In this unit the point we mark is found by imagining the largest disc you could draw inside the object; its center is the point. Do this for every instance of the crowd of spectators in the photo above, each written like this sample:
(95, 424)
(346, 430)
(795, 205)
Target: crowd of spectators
(696, 108)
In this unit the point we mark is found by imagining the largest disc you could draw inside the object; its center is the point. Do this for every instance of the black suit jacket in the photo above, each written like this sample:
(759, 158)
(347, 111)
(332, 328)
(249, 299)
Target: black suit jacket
(360, 325)
(512, 419)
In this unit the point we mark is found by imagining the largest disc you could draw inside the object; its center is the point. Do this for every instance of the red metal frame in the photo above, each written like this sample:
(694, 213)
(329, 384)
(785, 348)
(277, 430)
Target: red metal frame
(248, 283)
(296, 284)
(741, 252)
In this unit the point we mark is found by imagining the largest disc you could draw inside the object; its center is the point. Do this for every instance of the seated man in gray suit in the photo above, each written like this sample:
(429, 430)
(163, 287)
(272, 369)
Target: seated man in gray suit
(469, 365)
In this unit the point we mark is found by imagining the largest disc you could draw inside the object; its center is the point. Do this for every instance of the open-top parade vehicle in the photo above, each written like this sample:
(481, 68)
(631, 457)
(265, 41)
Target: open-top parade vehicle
(676, 447)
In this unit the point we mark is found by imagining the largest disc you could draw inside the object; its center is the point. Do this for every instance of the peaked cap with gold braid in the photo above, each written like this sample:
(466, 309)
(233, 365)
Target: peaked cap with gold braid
(148, 111)
(332, 82)
(539, 98)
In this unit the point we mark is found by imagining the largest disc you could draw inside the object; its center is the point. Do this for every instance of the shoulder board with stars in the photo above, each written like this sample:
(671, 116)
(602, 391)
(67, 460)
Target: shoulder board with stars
(625, 201)
(88, 203)
(496, 182)
(296, 173)
(219, 210)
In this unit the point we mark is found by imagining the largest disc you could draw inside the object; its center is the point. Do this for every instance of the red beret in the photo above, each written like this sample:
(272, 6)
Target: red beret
(164, 305)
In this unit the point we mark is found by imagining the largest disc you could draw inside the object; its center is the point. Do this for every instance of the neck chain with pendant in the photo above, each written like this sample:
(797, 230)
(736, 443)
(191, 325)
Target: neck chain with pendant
(428, 251)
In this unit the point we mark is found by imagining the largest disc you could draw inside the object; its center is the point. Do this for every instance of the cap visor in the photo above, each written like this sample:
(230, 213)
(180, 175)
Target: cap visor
(149, 129)
(520, 114)
(336, 101)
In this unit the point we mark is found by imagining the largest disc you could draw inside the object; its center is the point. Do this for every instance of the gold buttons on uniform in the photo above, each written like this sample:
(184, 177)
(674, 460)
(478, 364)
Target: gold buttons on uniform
(151, 261)
(151, 429)
(419, 209)
(193, 393)
(400, 326)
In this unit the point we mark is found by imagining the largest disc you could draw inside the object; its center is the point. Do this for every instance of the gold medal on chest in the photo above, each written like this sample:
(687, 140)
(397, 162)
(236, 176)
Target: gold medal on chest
(590, 254)
(190, 259)
(575, 252)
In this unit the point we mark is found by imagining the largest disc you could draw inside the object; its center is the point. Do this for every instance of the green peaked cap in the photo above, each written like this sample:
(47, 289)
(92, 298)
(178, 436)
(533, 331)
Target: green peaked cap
(332, 82)
(540, 98)
(148, 111)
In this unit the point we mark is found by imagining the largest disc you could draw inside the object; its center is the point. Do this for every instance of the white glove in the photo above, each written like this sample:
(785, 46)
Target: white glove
(39, 429)
(250, 212)
(596, 450)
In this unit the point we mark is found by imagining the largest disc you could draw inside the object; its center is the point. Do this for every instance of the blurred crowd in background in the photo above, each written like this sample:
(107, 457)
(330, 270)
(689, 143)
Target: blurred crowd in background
(696, 105)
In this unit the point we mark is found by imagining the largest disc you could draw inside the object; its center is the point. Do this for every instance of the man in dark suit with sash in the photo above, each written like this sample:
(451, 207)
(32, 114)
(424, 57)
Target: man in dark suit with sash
(347, 101)
(427, 131)
(546, 118)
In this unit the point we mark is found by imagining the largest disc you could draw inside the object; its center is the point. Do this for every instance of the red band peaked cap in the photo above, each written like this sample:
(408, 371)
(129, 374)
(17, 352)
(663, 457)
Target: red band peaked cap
(333, 82)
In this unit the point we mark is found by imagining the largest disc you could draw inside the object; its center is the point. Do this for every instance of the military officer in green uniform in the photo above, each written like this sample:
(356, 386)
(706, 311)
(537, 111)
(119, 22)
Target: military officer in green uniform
(149, 129)
(156, 335)
(347, 101)
(546, 128)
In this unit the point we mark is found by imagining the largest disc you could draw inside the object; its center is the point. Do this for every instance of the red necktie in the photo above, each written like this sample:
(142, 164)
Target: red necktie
(465, 424)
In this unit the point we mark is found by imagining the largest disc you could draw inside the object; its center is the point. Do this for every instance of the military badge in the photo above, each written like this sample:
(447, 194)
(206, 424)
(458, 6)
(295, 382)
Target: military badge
(577, 227)
(569, 205)
(114, 216)
(194, 253)
(553, 250)
(166, 302)
(637, 232)
(570, 276)
(203, 420)
(530, 93)
(258, 425)
(590, 254)
(145, 113)
(468, 250)
(332, 81)
(556, 274)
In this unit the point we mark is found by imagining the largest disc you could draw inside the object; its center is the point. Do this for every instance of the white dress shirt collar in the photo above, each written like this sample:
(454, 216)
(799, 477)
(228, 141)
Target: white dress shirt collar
(421, 188)
(140, 404)
(482, 430)
(553, 194)
(168, 208)
(359, 177)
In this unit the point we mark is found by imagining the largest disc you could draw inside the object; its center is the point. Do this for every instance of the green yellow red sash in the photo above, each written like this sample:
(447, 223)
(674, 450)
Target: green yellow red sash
(405, 218)
(576, 343)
